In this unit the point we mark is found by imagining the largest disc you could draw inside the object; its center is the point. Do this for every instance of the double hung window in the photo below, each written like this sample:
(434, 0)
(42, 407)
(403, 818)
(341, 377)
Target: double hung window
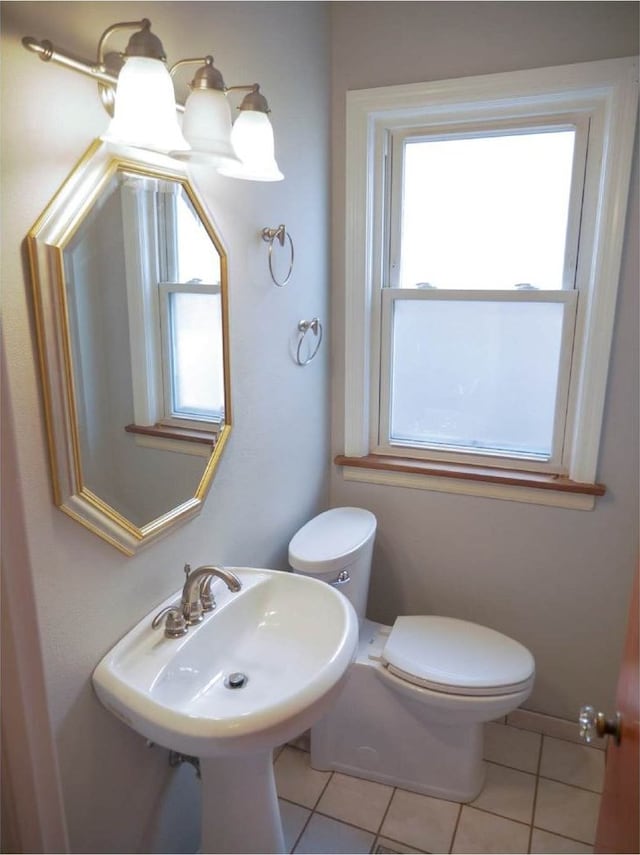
(479, 304)
(190, 314)
(175, 311)
(482, 257)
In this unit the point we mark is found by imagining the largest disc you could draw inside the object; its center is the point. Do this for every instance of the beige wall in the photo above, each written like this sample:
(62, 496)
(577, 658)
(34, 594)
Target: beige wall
(120, 796)
(557, 580)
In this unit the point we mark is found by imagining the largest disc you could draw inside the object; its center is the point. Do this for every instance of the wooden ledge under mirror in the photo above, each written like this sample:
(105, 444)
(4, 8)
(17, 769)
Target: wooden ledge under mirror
(129, 277)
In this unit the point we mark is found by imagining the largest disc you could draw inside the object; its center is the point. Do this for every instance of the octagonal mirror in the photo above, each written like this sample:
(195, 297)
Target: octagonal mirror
(130, 292)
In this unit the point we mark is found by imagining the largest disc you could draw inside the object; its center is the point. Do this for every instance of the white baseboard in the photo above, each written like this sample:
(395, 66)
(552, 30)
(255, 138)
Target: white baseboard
(549, 725)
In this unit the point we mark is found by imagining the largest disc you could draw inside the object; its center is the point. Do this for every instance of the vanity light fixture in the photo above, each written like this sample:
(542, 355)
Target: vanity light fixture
(252, 139)
(145, 108)
(137, 90)
(207, 116)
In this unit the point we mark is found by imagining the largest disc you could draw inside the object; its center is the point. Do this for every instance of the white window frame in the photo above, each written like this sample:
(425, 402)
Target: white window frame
(604, 94)
(142, 254)
(151, 264)
(170, 417)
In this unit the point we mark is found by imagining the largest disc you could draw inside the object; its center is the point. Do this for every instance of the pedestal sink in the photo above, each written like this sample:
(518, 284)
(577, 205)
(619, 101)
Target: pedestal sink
(256, 672)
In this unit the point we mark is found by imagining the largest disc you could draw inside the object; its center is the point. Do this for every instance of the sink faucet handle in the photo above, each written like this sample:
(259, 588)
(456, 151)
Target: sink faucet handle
(206, 595)
(175, 625)
(187, 570)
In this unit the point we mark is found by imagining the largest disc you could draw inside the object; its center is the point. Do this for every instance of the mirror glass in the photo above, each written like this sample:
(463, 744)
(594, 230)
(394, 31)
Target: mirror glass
(138, 304)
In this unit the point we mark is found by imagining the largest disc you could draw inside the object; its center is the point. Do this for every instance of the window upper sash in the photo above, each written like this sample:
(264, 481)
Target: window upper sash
(395, 147)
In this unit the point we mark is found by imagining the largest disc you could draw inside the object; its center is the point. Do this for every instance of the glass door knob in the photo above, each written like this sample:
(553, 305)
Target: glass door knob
(595, 724)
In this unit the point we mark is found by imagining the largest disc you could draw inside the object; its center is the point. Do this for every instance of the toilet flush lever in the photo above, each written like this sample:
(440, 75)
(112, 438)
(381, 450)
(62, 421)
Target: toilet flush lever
(342, 579)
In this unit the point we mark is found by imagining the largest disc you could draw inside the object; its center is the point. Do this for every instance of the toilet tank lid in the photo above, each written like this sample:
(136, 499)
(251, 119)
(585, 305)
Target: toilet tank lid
(456, 653)
(330, 541)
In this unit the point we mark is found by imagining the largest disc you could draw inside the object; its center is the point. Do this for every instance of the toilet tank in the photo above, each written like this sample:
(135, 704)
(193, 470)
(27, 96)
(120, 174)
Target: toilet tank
(336, 547)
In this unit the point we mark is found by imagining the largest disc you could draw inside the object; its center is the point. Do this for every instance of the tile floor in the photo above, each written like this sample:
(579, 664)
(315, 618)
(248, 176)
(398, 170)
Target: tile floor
(542, 796)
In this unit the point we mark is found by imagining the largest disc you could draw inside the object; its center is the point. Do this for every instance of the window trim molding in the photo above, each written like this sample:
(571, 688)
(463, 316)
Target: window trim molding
(607, 90)
(395, 472)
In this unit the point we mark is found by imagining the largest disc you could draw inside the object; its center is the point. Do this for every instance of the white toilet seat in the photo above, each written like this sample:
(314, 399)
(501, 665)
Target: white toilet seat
(486, 692)
(456, 657)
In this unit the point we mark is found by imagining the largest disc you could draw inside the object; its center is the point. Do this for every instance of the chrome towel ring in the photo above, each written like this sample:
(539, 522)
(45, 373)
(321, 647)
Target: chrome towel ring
(269, 236)
(304, 326)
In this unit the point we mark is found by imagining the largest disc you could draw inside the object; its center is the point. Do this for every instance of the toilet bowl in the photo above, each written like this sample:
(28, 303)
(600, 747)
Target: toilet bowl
(412, 711)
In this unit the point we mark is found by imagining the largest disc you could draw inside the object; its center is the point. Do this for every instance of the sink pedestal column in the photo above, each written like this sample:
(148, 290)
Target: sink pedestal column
(240, 812)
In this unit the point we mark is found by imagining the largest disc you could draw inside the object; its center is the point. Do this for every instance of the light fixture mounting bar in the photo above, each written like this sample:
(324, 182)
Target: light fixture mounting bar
(48, 53)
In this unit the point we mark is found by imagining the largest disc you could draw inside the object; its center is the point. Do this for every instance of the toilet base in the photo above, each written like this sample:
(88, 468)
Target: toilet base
(373, 732)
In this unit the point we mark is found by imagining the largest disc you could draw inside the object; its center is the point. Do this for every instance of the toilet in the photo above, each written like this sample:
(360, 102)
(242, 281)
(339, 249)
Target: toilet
(413, 707)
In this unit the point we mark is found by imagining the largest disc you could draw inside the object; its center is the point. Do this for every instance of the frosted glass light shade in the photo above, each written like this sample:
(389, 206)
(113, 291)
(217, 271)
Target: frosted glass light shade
(206, 125)
(145, 108)
(252, 139)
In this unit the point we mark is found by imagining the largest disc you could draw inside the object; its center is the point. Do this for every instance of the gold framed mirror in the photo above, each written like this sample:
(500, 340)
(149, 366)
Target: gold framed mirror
(129, 277)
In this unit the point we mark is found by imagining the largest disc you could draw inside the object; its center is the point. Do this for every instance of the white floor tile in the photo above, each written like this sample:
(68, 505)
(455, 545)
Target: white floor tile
(508, 792)
(354, 800)
(420, 821)
(325, 835)
(293, 819)
(296, 780)
(545, 843)
(566, 810)
(579, 765)
(512, 746)
(483, 832)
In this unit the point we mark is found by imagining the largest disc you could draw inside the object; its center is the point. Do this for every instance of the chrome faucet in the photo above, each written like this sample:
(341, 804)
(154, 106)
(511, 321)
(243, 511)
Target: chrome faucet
(196, 598)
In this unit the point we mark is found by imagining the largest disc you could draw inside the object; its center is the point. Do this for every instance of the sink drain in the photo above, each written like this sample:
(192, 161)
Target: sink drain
(237, 680)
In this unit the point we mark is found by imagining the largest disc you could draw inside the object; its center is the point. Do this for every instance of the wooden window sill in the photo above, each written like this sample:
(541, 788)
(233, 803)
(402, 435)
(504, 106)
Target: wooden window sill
(488, 475)
(165, 432)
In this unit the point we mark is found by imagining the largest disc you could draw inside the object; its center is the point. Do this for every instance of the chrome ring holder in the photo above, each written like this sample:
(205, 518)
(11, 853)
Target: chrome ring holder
(304, 326)
(269, 236)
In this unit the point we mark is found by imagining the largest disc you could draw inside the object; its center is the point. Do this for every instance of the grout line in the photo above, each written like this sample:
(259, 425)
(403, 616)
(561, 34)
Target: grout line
(375, 832)
(311, 810)
(302, 831)
(455, 829)
(386, 811)
(345, 822)
(535, 794)
(564, 836)
(590, 843)
(513, 768)
(322, 791)
(575, 786)
(506, 766)
(493, 813)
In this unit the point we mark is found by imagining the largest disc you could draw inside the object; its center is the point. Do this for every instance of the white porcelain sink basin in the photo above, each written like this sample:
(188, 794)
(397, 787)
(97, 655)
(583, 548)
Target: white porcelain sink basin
(292, 636)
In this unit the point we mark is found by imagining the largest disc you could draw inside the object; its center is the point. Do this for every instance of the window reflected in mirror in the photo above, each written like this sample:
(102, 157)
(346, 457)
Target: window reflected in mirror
(135, 309)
